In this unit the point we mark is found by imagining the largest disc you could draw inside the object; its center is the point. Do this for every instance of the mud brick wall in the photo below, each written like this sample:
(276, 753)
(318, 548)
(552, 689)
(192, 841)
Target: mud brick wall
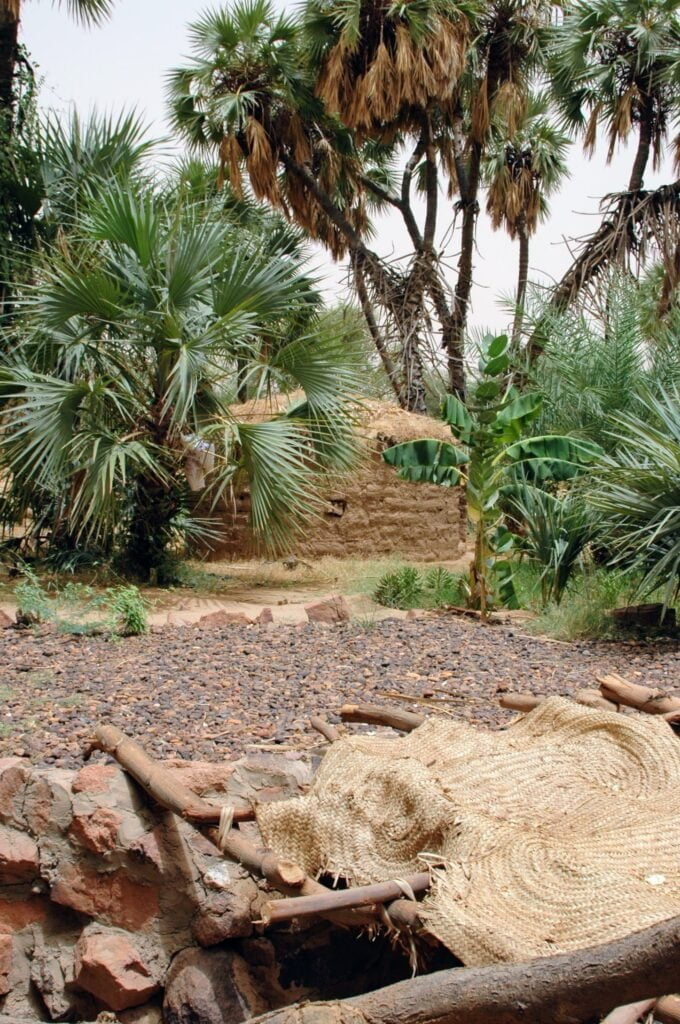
(102, 895)
(373, 514)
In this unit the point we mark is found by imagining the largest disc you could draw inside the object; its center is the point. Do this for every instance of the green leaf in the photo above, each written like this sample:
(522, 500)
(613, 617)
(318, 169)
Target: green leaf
(553, 456)
(497, 346)
(458, 418)
(426, 461)
(516, 414)
(494, 367)
(487, 390)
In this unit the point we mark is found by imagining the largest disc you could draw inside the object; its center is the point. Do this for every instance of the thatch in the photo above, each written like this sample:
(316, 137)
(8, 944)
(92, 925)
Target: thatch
(377, 420)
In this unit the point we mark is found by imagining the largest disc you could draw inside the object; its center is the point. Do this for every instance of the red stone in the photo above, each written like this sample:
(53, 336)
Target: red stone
(13, 776)
(94, 778)
(19, 857)
(18, 914)
(109, 967)
(265, 616)
(98, 831)
(6, 951)
(38, 805)
(332, 610)
(224, 618)
(5, 621)
(111, 897)
(148, 849)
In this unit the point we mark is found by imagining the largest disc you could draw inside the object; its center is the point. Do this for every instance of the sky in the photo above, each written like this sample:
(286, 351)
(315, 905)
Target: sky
(123, 65)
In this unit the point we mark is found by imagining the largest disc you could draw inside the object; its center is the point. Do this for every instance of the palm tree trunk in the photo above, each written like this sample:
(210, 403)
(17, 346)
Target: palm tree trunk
(644, 145)
(454, 334)
(10, 11)
(522, 278)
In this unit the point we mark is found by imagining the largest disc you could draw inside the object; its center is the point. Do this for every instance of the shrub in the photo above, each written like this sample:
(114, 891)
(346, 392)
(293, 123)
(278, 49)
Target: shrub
(400, 589)
(128, 611)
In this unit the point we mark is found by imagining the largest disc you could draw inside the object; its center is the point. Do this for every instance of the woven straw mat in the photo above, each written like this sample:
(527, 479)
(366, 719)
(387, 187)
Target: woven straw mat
(559, 833)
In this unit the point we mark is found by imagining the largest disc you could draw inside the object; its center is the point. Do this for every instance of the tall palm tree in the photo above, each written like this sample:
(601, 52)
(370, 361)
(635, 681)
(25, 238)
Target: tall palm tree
(90, 12)
(125, 367)
(522, 169)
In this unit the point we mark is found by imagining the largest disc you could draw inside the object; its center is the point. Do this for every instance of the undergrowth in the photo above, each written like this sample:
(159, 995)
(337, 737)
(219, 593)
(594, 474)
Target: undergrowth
(77, 608)
(406, 588)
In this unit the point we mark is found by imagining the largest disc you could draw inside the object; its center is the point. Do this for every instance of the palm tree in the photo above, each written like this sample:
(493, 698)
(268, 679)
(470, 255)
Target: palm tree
(90, 12)
(125, 367)
(521, 170)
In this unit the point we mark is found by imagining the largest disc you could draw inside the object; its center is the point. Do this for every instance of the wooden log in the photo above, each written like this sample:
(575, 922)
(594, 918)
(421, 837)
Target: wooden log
(559, 989)
(160, 783)
(405, 721)
(325, 728)
(667, 1010)
(525, 702)
(629, 1014)
(336, 899)
(644, 698)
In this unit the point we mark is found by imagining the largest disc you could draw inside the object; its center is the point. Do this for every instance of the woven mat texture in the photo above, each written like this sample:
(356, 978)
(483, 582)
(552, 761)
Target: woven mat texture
(559, 833)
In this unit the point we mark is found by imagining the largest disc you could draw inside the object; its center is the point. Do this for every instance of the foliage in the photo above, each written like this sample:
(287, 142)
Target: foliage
(638, 492)
(134, 341)
(406, 588)
(554, 532)
(584, 610)
(128, 610)
(491, 451)
(596, 366)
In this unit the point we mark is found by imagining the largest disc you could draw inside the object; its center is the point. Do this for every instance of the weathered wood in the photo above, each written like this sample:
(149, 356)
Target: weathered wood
(629, 1014)
(667, 1010)
(325, 728)
(336, 899)
(644, 698)
(560, 989)
(525, 702)
(405, 721)
(159, 782)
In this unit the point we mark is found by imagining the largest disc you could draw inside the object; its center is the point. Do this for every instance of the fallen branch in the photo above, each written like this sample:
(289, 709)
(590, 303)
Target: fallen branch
(629, 1014)
(358, 896)
(160, 783)
(528, 701)
(553, 990)
(644, 698)
(667, 1010)
(405, 721)
(325, 728)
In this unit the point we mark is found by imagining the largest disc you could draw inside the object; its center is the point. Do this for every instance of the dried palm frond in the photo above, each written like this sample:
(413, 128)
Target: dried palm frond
(230, 157)
(261, 162)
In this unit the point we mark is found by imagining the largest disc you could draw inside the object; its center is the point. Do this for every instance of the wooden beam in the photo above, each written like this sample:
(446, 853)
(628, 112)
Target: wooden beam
(644, 698)
(396, 718)
(336, 899)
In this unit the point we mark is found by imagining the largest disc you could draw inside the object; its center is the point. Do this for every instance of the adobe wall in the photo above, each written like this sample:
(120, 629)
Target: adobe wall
(373, 514)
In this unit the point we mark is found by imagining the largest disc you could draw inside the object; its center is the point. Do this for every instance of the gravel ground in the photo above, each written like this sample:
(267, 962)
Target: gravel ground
(208, 694)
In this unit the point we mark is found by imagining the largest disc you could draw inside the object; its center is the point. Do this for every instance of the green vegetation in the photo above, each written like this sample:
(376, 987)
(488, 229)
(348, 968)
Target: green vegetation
(406, 588)
(77, 608)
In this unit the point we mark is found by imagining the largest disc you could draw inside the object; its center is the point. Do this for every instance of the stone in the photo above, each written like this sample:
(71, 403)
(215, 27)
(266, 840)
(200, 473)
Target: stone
(332, 610)
(225, 915)
(15, 915)
(210, 987)
(148, 849)
(94, 778)
(6, 956)
(97, 831)
(148, 1013)
(108, 966)
(201, 776)
(224, 618)
(19, 857)
(110, 897)
(5, 621)
(265, 617)
(13, 779)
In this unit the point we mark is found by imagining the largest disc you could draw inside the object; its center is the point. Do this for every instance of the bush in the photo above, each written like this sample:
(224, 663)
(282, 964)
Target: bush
(400, 589)
(129, 611)
(79, 609)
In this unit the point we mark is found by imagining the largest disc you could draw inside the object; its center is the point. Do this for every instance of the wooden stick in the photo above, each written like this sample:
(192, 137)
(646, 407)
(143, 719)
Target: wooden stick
(576, 986)
(667, 1010)
(644, 698)
(406, 721)
(528, 701)
(159, 782)
(325, 728)
(359, 896)
(629, 1014)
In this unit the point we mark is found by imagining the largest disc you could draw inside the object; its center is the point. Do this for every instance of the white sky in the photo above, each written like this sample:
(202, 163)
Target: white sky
(124, 63)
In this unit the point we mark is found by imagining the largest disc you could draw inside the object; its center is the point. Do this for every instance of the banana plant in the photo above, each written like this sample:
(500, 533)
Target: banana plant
(489, 450)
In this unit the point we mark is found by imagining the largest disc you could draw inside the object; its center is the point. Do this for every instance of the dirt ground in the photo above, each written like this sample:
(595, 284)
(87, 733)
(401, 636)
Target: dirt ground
(210, 694)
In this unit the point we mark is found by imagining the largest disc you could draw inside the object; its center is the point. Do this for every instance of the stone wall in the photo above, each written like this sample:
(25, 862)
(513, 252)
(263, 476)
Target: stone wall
(373, 514)
(103, 898)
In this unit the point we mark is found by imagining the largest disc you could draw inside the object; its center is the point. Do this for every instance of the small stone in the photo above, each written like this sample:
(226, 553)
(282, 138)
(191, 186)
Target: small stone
(94, 778)
(5, 621)
(224, 618)
(202, 987)
(111, 897)
(98, 831)
(266, 616)
(19, 857)
(6, 954)
(332, 610)
(111, 969)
